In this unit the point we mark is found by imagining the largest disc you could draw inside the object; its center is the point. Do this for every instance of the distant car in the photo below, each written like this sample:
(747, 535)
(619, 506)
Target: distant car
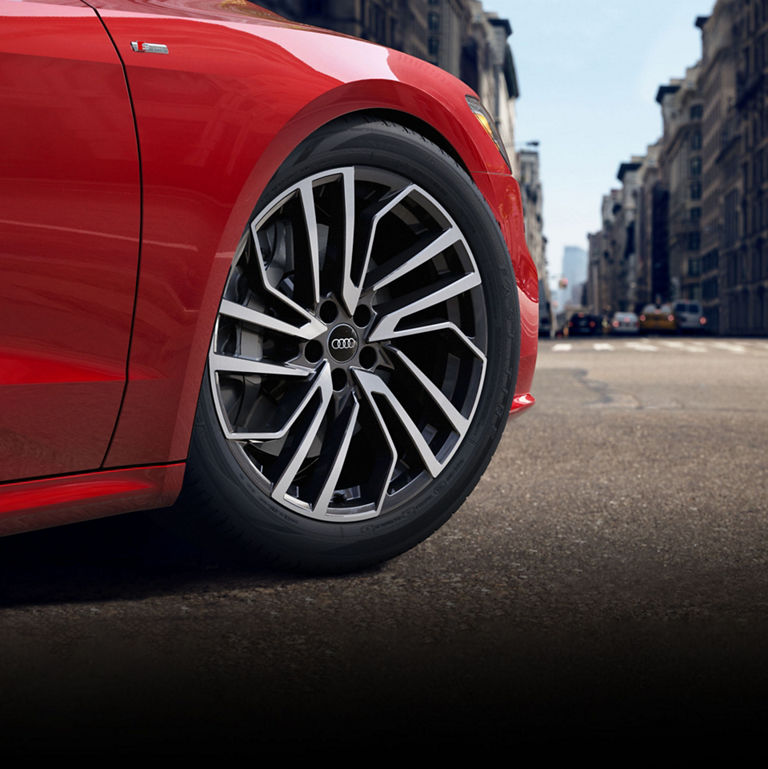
(689, 317)
(657, 318)
(624, 323)
(582, 323)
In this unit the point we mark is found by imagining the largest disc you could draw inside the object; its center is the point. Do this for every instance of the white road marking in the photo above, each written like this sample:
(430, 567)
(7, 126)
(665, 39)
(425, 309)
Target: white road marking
(693, 346)
(729, 346)
(642, 346)
(683, 346)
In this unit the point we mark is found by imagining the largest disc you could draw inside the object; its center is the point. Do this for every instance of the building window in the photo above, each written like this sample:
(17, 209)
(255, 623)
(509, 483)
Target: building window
(434, 46)
(695, 214)
(379, 23)
(731, 218)
(695, 190)
(760, 53)
(697, 110)
(696, 140)
(696, 166)
(757, 261)
(694, 241)
(433, 21)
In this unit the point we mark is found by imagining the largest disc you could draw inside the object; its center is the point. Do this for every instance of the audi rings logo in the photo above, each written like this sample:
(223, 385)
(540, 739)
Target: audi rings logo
(342, 342)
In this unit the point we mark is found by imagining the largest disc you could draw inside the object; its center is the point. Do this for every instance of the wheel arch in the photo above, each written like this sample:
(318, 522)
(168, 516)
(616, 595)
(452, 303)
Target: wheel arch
(419, 126)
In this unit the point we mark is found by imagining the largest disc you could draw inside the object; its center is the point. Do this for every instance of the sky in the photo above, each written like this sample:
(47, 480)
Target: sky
(588, 72)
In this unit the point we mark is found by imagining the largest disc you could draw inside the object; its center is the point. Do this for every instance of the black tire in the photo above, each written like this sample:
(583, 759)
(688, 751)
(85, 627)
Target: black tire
(347, 483)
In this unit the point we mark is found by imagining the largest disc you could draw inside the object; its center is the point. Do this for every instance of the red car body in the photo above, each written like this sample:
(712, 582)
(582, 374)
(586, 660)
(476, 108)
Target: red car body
(125, 182)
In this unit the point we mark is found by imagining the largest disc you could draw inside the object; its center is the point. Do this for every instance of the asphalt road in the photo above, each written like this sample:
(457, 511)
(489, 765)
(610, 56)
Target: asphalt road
(605, 583)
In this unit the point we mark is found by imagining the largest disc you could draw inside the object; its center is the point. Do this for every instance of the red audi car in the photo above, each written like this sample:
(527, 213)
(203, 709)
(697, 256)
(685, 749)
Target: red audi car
(270, 279)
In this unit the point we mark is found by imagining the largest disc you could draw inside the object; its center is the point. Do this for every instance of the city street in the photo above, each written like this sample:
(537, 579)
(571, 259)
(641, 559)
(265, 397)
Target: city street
(606, 581)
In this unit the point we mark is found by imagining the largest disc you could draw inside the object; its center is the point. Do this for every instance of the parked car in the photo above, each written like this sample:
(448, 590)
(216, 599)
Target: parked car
(689, 317)
(293, 312)
(583, 323)
(624, 323)
(657, 318)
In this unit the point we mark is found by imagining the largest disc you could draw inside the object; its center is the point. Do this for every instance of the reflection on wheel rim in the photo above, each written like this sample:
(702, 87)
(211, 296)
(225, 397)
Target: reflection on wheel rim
(349, 350)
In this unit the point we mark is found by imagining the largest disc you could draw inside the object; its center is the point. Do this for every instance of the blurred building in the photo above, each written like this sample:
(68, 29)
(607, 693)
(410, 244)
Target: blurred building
(574, 275)
(602, 287)
(613, 273)
(448, 22)
(595, 251)
(652, 273)
(533, 206)
(682, 166)
(527, 161)
(701, 215)
(625, 229)
(717, 84)
(746, 266)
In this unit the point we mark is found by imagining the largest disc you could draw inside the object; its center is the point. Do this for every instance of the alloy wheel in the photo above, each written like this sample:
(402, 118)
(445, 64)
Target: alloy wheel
(349, 352)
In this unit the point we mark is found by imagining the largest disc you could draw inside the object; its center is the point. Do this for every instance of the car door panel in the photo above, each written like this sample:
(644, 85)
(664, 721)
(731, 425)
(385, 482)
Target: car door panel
(70, 213)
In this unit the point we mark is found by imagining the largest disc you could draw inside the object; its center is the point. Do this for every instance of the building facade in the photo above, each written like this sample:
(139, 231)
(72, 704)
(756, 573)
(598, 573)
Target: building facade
(746, 266)
(527, 161)
(651, 230)
(682, 165)
(702, 200)
(717, 80)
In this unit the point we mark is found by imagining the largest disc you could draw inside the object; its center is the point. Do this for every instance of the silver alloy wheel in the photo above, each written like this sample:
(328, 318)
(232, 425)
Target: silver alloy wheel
(349, 351)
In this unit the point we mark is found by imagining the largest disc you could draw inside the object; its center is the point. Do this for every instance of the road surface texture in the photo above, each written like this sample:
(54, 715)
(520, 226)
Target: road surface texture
(605, 584)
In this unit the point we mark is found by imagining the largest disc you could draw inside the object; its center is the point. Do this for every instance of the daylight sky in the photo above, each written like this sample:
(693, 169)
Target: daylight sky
(588, 72)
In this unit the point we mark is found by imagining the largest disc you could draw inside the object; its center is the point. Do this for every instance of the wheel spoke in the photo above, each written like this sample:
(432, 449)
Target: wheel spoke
(374, 385)
(324, 387)
(235, 365)
(437, 246)
(306, 191)
(386, 327)
(351, 290)
(272, 290)
(324, 498)
(459, 422)
(390, 445)
(309, 330)
(436, 327)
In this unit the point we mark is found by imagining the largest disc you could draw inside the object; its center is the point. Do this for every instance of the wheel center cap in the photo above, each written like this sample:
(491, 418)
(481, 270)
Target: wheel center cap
(342, 342)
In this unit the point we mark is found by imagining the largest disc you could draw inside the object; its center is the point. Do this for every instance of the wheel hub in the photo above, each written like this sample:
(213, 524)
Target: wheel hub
(343, 343)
